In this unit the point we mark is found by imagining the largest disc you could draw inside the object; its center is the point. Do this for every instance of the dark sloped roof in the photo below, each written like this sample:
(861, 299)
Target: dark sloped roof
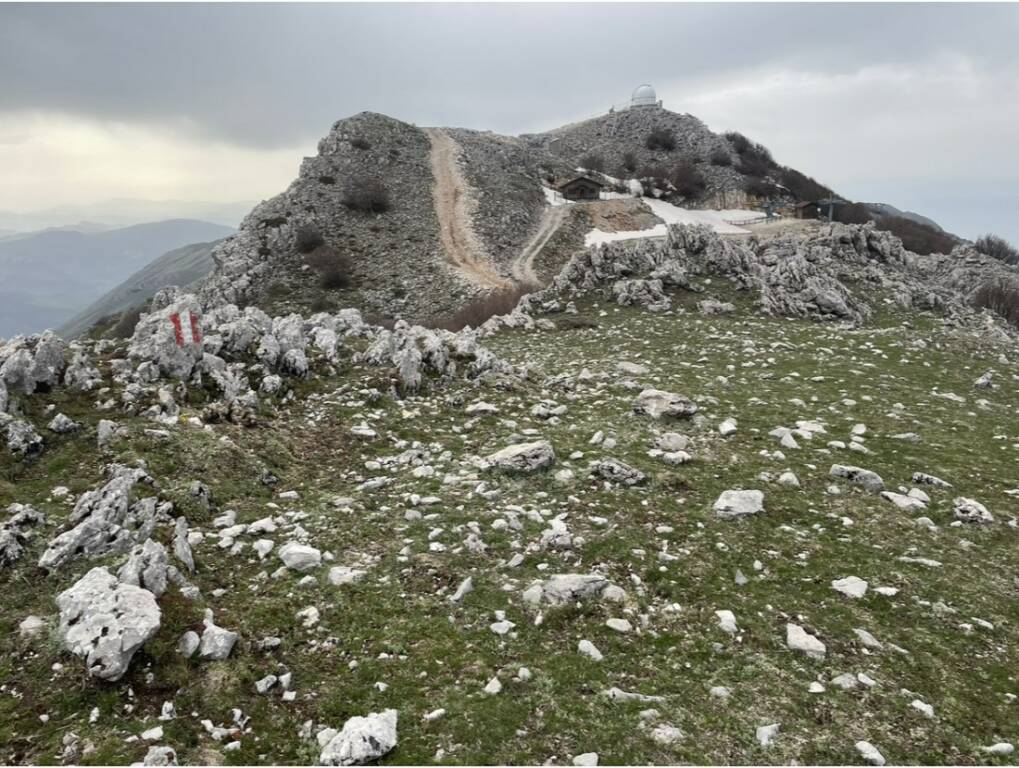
(569, 181)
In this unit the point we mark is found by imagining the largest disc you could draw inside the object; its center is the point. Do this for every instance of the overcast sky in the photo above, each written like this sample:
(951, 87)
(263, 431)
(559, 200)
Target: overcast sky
(915, 105)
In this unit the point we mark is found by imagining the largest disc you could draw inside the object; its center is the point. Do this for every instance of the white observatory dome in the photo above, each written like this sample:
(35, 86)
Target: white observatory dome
(644, 96)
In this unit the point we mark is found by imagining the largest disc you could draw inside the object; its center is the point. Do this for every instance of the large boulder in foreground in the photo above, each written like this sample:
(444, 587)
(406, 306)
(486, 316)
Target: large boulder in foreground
(362, 740)
(523, 457)
(659, 404)
(105, 520)
(105, 622)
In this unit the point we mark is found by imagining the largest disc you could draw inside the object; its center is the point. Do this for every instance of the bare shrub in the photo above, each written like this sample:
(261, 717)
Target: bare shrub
(853, 213)
(739, 142)
(308, 239)
(359, 142)
(333, 268)
(661, 138)
(629, 161)
(916, 237)
(758, 187)
(126, 323)
(322, 304)
(687, 178)
(756, 162)
(574, 323)
(474, 314)
(593, 162)
(754, 159)
(802, 186)
(997, 248)
(720, 158)
(1002, 298)
(653, 176)
(367, 195)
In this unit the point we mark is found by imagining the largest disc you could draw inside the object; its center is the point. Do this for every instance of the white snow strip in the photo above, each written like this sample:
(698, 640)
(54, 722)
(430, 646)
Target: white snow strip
(597, 237)
(673, 214)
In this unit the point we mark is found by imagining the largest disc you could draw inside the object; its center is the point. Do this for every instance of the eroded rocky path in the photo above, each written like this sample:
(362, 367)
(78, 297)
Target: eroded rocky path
(523, 266)
(453, 206)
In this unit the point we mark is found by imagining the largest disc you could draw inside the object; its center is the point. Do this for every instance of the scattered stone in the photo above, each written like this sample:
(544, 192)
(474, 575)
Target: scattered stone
(766, 733)
(619, 625)
(588, 648)
(619, 695)
(615, 471)
(362, 740)
(160, 756)
(971, 511)
(299, 557)
(869, 753)
(733, 504)
(465, 588)
(727, 622)
(216, 642)
(566, 588)
(523, 457)
(851, 586)
(922, 478)
(871, 481)
(798, 639)
(341, 575)
(663, 405)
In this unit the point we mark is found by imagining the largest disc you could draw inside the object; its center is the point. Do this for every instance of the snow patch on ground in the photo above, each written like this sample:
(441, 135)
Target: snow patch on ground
(673, 214)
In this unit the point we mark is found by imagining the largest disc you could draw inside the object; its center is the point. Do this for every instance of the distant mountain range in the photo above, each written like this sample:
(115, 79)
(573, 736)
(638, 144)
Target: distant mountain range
(181, 266)
(46, 278)
(884, 209)
(126, 212)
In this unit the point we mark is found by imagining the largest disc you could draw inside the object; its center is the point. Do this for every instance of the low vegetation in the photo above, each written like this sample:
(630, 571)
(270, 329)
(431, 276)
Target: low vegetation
(687, 179)
(661, 139)
(593, 162)
(1001, 298)
(333, 268)
(997, 248)
(720, 158)
(308, 239)
(366, 195)
(917, 237)
(475, 313)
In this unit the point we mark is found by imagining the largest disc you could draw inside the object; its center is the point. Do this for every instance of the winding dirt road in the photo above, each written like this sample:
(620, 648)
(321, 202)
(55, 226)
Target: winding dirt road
(523, 265)
(453, 207)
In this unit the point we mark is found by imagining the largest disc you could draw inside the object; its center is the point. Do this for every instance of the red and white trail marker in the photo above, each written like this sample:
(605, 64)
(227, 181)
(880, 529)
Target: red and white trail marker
(185, 328)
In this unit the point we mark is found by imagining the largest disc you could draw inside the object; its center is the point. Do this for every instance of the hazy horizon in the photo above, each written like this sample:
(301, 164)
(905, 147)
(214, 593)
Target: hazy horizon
(902, 104)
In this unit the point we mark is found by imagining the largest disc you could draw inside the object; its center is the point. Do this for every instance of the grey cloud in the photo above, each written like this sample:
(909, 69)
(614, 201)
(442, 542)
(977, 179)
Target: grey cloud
(272, 76)
(268, 75)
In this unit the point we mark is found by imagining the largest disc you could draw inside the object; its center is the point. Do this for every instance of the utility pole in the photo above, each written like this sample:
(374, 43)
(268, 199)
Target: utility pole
(831, 206)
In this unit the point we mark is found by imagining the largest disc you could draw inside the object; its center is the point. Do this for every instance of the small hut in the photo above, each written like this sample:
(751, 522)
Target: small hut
(580, 188)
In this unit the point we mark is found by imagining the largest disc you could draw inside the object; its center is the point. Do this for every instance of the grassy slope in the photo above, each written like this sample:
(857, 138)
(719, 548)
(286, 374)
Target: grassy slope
(400, 628)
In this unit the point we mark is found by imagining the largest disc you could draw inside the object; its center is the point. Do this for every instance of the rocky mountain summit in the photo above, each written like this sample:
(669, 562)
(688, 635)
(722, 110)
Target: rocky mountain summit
(365, 207)
(412, 223)
(698, 499)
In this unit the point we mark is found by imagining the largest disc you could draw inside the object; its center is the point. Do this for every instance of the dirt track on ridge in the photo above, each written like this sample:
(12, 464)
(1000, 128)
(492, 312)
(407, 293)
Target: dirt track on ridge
(453, 207)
